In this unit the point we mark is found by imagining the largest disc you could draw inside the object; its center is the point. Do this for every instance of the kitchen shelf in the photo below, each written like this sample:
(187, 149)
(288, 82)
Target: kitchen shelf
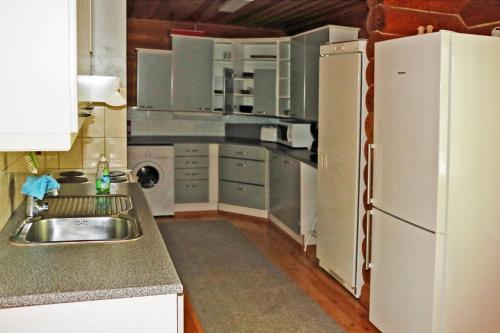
(257, 59)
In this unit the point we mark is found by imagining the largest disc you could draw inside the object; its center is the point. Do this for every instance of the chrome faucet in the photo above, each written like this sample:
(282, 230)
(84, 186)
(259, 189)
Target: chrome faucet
(34, 207)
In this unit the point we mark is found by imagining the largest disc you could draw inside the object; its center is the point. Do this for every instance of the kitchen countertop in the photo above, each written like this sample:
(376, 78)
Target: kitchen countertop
(301, 155)
(64, 273)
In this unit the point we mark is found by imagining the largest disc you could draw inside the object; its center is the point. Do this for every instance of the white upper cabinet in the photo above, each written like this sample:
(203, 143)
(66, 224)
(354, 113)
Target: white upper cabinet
(38, 85)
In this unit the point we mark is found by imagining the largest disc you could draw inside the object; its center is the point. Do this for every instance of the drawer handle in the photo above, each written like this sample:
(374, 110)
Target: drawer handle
(242, 165)
(190, 186)
(191, 150)
(242, 189)
(191, 162)
(241, 153)
(191, 174)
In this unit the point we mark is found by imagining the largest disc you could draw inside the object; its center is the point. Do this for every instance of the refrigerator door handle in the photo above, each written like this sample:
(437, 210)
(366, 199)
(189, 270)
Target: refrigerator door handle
(368, 253)
(369, 176)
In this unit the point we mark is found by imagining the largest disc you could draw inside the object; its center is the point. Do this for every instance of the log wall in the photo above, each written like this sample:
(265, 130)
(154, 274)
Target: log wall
(389, 19)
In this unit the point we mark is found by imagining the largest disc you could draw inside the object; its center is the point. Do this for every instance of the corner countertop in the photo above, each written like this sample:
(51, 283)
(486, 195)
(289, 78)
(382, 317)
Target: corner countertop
(301, 155)
(65, 273)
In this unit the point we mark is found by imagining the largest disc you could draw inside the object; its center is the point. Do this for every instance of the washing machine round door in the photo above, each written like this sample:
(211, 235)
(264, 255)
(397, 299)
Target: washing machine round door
(149, 175)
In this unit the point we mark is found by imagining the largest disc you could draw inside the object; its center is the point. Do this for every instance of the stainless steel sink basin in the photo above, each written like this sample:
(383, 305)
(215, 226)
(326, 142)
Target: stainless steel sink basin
(123, 225)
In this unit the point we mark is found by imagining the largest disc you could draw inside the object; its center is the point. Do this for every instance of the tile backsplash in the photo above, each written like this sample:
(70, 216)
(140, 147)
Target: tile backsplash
(186, 123)
(13, 172)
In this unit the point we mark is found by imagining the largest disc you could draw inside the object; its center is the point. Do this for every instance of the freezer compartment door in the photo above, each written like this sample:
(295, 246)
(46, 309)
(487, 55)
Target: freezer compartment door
(407, 128)
(402, 276)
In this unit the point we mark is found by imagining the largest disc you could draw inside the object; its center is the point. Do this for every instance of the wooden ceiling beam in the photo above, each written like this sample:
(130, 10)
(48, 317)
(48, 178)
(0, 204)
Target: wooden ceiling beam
(281, 9)
(301, 12)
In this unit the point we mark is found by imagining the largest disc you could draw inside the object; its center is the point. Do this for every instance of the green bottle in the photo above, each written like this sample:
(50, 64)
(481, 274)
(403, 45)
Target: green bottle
(102, 179)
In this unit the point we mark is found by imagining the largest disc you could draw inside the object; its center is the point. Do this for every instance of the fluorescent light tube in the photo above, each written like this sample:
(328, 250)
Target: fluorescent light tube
(230, 6)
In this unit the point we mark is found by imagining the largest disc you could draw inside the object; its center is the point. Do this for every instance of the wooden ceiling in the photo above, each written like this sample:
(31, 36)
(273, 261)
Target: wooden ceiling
(291, 16)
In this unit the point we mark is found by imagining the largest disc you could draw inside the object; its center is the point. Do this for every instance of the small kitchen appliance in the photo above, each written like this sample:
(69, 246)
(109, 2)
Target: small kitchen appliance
(269, 133)
(295, 135)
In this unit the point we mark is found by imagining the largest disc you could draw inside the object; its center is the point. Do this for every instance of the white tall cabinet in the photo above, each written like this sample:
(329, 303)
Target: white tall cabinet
(38, 86)
(435, 230)
(340, 164)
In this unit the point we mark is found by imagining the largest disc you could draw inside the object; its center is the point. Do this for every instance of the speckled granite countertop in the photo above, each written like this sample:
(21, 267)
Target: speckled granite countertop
(301, 155)
(64, 273)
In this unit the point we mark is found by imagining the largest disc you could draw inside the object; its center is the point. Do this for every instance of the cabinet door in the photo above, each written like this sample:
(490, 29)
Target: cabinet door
(275, 182)
(264, 91)
(402, 276)
(154, 80)
(311, 72)
(339, 178)
(84, 35)
(192, 73)
(290, 194)
(297, 76)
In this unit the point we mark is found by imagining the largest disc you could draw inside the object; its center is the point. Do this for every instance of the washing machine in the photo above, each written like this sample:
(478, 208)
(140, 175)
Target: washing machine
(153, 167)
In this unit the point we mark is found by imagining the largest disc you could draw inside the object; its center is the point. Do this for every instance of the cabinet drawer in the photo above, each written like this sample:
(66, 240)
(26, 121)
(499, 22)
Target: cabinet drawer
(191, 174)
(252, 196)
(244, 171)
(191, 149)
(250, 153)
(191, 162)
(187, 191)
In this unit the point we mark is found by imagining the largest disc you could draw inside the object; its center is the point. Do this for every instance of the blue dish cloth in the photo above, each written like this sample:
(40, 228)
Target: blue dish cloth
(38, 186)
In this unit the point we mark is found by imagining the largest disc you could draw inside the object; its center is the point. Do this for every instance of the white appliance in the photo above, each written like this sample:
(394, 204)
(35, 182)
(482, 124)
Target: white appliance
(269, 133)
(153, 166)
(295, 135)
(342, 111)
(435, 223)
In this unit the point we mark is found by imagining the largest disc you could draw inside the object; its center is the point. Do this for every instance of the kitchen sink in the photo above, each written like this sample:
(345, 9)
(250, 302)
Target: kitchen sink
(122, 225)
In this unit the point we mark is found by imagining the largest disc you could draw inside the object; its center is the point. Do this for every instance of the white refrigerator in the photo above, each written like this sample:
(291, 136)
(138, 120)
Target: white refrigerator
(435, 223)
(342, 111)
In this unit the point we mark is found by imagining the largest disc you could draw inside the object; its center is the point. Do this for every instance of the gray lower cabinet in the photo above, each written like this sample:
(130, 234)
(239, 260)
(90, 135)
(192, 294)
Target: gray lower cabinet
(243, 152)
(304, 73)
(192, 68)
(191, 173)
(154, 79)
(284, 182)
(189, 191)
(240, 194)
(244, 171)
(242, 176)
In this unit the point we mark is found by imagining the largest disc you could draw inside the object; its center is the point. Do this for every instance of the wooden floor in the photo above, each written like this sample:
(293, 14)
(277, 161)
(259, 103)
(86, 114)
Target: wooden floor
(302, 268)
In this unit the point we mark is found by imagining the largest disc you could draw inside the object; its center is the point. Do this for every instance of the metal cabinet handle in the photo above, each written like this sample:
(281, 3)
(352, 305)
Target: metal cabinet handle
(241, 153)
(242, 189)
(369, 176)
(368, 258)
(242, 165)
(191, 162)
(203, 109)
(191, 150)
(190, 186)
(191, 174)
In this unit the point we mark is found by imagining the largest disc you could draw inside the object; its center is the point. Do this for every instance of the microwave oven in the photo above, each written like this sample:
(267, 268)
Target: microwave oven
(295, 135)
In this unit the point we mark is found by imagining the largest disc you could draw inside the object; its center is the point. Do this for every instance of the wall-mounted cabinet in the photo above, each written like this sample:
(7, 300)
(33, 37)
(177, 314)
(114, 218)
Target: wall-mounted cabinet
(304, 71)
(154, 79)
(192, 73)
(39, 74)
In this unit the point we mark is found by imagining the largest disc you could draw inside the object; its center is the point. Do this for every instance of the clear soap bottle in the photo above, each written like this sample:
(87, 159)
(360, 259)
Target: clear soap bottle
(102, 180)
